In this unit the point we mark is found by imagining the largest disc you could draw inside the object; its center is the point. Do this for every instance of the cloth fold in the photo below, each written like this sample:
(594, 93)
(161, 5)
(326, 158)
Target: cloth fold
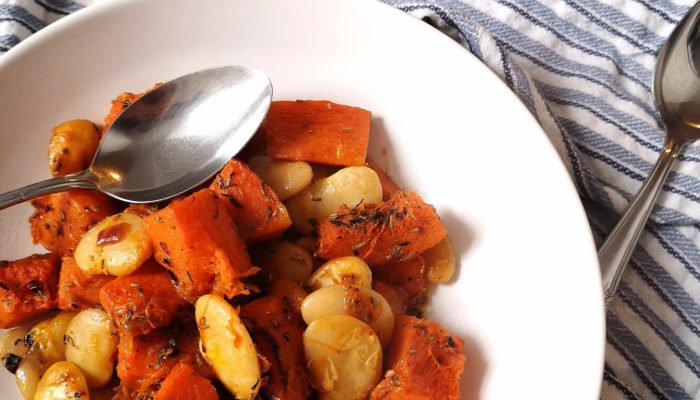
(584, 69)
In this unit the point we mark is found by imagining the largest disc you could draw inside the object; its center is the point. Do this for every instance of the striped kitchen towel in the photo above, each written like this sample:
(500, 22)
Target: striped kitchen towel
(583, 68)
(21, 18)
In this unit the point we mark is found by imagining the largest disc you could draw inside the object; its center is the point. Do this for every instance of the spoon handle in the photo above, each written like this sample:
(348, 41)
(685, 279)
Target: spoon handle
(78, 180)
(617, 247)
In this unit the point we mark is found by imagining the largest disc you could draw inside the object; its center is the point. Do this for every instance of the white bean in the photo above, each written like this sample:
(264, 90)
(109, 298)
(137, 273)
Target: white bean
(441, 262)
(341, 271)
(28, 375)
(12, 348)
(91, 344)
(343, 356)
(227, 345)
(324, 197)
(63, 380)
(359, 302)
(72, 146)
(287, 260)
(45, 339)
(45, 347)
(117, 245)
(286, 178)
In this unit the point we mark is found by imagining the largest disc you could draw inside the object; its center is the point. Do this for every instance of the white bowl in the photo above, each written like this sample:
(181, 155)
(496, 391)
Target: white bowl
(527, 298)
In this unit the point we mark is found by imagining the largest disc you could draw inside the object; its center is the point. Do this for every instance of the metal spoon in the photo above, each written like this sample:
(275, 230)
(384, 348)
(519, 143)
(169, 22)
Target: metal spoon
(676, 94)
(170, 140)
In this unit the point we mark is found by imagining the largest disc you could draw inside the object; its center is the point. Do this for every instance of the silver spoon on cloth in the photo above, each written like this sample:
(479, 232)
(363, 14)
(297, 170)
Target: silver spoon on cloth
(676, 95)
(171, 139)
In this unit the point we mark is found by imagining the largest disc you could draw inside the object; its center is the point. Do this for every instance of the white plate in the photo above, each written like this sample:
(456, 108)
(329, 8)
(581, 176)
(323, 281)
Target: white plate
(527, 298)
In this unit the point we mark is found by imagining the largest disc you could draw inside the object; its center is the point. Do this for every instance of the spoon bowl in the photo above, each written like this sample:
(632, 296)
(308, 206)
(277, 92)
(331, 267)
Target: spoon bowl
(676, 95)
(172, 139)
(676, 86)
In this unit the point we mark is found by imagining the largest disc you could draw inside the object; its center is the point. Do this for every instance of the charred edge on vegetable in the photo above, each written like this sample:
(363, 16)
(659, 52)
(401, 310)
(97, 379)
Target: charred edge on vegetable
(29, 339)
(35, 286)
(395, 379)
(224, 184)
(3, 286)
(234, 202)
(11, 362)
(172, 276)
(451, 342)
(4, 263)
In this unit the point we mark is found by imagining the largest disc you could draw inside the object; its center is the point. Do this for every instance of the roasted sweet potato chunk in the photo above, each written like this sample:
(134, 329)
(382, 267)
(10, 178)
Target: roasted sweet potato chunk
(317, 131)
(141, 301)
(184, 330)
(61, 219)
(28, 288)
(252, 204)
(144, 361)
(78, 290)
(183, 383)
(424, 362)
(278, 335)
(408, 278)
(196, 239)
(395, 297)
(290, 292)
(119, 104)
(397, 230)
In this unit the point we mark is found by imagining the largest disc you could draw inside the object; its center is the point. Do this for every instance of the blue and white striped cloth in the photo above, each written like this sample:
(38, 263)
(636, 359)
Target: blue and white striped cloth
(583, 68)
